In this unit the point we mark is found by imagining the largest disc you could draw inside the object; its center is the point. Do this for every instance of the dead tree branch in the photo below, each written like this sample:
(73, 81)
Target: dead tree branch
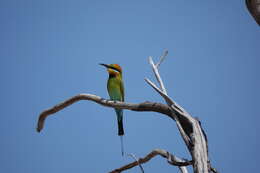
(190, 128)
(137, 161)
(145, 106)
(173, 160)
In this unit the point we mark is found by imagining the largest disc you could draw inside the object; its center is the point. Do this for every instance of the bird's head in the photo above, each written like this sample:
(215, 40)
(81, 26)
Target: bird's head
(113, 69)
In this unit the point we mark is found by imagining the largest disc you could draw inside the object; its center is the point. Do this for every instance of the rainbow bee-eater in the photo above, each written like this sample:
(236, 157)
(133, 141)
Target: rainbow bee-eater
(115, 88)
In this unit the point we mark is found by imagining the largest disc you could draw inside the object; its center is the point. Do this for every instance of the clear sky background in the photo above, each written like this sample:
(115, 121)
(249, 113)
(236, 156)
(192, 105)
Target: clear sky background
(50, 51)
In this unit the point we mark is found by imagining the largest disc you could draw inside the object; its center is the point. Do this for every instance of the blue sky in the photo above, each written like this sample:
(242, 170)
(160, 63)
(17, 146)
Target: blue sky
(50, 51)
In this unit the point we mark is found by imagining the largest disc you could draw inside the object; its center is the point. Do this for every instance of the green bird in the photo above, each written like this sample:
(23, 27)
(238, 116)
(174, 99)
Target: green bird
(115, 88)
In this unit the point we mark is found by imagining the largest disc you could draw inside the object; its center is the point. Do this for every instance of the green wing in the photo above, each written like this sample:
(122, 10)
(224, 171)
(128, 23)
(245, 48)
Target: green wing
(122, 90)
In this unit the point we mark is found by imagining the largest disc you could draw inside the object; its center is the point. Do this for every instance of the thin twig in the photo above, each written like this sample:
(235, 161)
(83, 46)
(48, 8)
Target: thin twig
(174, 160)
(140, 165)
(157, 75)
(175, 108)
(165, 53)
(165, 96)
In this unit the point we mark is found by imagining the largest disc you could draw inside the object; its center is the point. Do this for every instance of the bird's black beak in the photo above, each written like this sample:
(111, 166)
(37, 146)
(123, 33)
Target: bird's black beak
(105, 65)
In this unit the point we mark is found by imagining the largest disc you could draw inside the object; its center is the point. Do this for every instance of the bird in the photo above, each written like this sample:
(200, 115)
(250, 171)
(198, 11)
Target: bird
(115, 88)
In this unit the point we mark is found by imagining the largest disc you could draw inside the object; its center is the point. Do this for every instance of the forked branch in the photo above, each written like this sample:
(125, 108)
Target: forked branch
(190, 128)
(173, 160)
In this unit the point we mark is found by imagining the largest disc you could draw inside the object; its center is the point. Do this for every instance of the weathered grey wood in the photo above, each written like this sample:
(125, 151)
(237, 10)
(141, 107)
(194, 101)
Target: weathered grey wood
(173, 160)
(145, 106)
(190, 128)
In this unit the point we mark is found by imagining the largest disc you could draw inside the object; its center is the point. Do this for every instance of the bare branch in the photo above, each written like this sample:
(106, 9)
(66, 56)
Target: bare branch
(178, 111)
(165, 53)
(174, 160)
(190, 129)
(157, 75)
(140, 165)
(165, 96)
(184, 135)
(145, 106)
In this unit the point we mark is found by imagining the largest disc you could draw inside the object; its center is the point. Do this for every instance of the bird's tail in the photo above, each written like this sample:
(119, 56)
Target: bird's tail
(119, 113)
(122, 145)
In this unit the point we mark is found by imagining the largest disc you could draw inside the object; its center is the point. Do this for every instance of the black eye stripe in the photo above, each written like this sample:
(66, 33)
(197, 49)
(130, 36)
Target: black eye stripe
(114, 69)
